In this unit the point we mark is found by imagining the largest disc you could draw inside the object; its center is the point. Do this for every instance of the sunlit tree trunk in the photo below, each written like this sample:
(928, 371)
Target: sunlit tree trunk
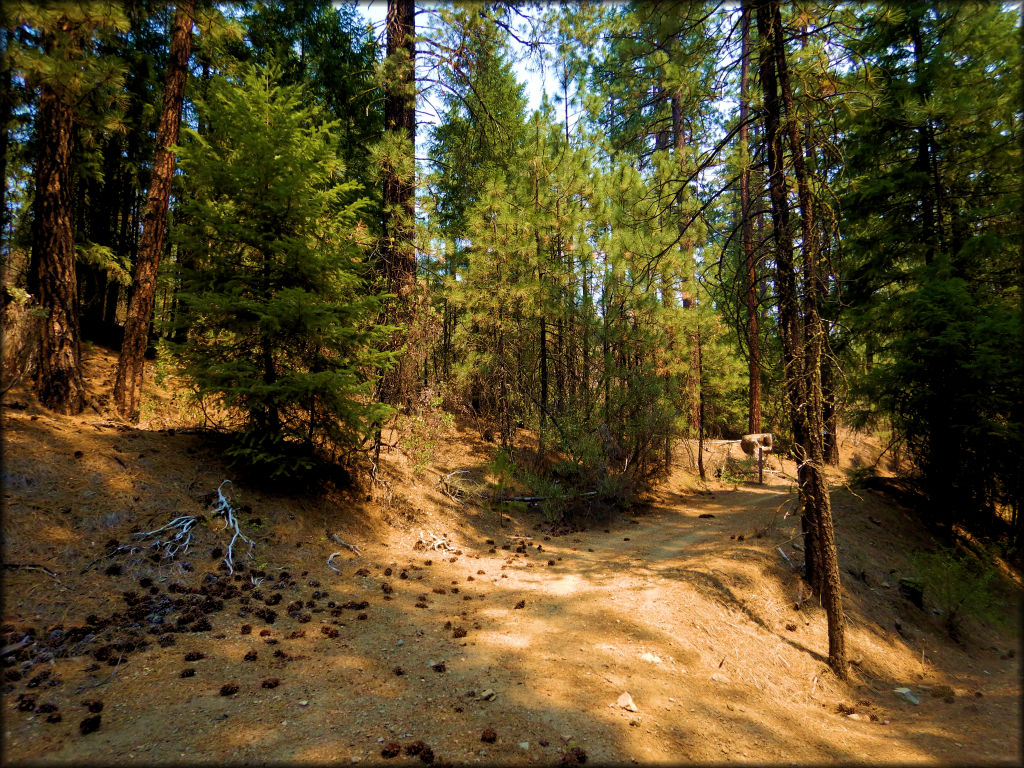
(131, 362)
(58, 380)
(807, 407)
(747, 233)
(399, 193)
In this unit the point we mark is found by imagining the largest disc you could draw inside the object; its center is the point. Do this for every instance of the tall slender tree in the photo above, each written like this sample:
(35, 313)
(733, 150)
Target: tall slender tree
(60, 64)
(399, 181)
(130, 364)
(802, 336)
(747, 230)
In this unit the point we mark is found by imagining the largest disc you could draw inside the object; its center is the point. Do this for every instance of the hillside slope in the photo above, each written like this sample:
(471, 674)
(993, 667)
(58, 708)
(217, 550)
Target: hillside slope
(687, 605)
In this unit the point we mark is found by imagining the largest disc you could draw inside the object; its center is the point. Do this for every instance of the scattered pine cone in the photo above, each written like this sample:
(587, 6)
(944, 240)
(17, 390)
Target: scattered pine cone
(574, 756)
(488, 736)
(270, 682)
(89, 725)
(229, 689)
(188, 672)
(391, 749)
(250, 655)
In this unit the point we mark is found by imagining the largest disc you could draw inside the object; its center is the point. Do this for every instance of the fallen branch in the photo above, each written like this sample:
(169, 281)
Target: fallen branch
(784, 555)
(177, 543)
(175, 537)
(33, 567)
(449, 489)
(338, 540)
(87, 686)
(26, 640)
(543, 498)
(435, 542)
(329, 559)
(230, 521)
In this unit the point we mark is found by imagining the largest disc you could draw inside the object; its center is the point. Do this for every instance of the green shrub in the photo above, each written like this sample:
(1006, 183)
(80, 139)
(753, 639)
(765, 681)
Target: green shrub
(961, 587)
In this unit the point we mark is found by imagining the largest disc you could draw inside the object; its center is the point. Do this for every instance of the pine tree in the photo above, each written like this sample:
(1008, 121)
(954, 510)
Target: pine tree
(279, 318)
(61, 67)
(801, 335)
(932, 226)
(398, 173)
(128, 383)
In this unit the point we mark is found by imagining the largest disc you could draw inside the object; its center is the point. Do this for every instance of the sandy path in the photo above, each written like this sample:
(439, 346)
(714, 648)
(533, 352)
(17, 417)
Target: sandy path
(695, 623)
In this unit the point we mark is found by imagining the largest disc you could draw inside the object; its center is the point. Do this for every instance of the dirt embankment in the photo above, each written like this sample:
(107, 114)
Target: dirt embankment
(506, 631)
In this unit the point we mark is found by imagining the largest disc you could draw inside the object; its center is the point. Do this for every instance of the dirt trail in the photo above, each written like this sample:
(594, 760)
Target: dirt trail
(692, 616)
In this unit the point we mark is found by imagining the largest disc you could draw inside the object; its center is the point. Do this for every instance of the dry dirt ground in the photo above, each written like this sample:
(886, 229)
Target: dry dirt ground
(686, 604)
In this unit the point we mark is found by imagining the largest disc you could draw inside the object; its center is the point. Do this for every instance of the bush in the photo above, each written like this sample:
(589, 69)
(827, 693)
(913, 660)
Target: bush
(274, 292)
(961, 587)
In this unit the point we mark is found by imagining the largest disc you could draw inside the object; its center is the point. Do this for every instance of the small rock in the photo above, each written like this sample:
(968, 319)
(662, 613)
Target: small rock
(524, 745)
(906, 694)
(718, 677)
(626, 702)
(854, 716)
(651, 657)
(304, 703)
(488, 695)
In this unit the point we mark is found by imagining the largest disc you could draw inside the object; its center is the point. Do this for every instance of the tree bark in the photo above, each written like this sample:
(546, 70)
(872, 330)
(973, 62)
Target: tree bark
(58, 381)
(399, 189)
(747, 232)
(6, 109)
(817, 505)
(131, 362)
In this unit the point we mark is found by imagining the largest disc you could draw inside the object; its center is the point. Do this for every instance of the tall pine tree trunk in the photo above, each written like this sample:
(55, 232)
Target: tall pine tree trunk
(399, 192)
(131, 363)
(747, 232)
(59, 372)
(807, 411)
(6, 109)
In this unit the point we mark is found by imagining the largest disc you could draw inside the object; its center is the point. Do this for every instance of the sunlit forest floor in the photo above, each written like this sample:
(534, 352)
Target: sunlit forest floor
(685, 603)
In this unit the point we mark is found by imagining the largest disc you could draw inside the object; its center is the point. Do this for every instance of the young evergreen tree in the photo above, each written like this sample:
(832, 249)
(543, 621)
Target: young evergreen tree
(280, 321)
